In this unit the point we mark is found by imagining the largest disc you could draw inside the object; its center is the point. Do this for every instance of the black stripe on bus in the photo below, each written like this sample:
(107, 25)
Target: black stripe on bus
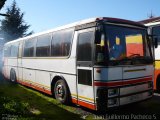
(43, 70)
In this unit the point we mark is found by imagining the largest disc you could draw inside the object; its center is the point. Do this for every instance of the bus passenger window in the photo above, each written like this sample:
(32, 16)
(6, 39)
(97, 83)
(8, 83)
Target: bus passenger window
(29, 47)
(14, 50)
(61, 43)
(7, 51)
(43, 46)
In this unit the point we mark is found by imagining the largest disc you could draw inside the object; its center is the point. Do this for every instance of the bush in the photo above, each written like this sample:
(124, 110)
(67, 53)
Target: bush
(11, 106)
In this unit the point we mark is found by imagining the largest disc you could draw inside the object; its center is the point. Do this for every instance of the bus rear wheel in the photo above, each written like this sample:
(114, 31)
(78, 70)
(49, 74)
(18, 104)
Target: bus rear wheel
(13, 76)
(61, 92)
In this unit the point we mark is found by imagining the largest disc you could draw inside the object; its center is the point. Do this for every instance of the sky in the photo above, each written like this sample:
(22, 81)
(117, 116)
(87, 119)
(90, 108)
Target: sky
(47, 14)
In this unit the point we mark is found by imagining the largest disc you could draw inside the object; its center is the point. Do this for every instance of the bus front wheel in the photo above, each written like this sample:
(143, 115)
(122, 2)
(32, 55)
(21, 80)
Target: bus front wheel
(61, 92)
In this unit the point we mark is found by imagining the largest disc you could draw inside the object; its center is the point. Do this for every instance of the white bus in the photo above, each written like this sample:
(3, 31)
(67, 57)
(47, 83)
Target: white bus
(98, 63)
(154, 31)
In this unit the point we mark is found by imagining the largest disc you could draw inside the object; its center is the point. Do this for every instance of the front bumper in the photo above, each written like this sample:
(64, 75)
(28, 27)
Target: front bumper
(123, 95)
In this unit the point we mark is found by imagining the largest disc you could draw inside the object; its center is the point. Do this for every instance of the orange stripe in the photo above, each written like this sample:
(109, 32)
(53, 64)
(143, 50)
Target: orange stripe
(87, 105)
(122, 82)
(84, 104)
(74, 101)
(35, 87)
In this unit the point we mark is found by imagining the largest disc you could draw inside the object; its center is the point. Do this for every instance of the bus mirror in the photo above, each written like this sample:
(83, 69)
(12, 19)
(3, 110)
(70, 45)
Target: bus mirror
(155, 42)
(98, 33)
(97, 37)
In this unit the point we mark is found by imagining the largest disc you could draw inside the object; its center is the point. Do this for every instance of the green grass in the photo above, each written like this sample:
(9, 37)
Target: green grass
(24, 103)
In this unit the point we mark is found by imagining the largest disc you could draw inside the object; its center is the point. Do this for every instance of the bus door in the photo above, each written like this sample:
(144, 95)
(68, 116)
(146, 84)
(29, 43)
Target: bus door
(20, 72)
(85, 90)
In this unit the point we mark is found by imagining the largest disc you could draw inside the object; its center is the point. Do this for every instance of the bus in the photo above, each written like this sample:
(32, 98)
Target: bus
(154, 32)
(98, 63)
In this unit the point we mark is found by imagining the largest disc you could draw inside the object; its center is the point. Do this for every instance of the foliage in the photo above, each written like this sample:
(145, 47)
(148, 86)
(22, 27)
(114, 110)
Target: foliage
(18, 102)
(9, 105)
(14, 26)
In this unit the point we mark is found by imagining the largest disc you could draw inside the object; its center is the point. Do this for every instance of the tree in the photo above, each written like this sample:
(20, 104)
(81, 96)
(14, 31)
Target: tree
(2, 2)
(14, 26)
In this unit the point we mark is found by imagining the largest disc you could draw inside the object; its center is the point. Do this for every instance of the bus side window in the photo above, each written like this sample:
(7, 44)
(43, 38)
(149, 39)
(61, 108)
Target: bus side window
(14, 50)
(61, 43)
(7, 51)
(29, 47)
(43, 46)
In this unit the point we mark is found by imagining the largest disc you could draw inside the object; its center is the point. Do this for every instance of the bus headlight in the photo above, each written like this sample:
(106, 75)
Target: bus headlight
(113, 102)
(113, 92)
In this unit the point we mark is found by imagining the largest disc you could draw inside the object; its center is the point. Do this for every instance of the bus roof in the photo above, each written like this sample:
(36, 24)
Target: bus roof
(153, 24)
(151, 21)
(96, 19)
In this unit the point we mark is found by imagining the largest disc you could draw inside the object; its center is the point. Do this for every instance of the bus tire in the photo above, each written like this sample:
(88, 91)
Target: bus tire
(13, 77)
(61, 92)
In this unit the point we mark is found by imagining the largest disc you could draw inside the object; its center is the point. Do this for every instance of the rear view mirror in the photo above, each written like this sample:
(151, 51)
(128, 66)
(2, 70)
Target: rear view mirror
(155, 42)
(98, 34)
(97, 37)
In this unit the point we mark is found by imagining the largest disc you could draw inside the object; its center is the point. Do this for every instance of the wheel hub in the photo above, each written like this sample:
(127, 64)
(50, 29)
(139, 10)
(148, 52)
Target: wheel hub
(60, 91)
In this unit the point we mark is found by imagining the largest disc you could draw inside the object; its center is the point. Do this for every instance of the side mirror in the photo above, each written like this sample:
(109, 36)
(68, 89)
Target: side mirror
(97, 37)
(98, 34)
(155, 42)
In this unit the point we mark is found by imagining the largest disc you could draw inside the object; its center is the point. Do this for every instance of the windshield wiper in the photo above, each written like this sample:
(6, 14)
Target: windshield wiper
(134, 55)
(123, 61)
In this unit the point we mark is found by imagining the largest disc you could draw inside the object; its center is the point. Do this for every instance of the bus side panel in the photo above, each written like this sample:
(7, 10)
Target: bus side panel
(43, 80)
(58, 65)
(157, 66)
(28, 71)
(5, 67)
(6, 71)
(156, 73)
(12, 64)
(48, 68)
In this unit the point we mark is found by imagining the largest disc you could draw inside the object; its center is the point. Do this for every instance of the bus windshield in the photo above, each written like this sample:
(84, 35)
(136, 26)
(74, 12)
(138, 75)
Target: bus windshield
(124, 45)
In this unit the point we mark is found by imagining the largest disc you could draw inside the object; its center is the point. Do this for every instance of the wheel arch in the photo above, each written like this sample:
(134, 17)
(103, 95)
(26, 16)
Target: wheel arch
(54, 80)
(13, 72)
(13, 69)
